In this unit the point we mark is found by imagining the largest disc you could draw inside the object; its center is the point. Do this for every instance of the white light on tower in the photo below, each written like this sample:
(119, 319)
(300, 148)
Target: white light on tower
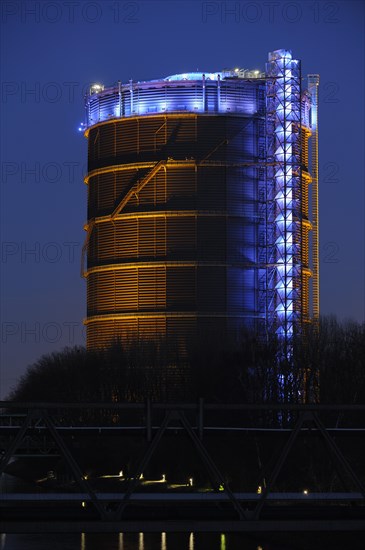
(96, 88)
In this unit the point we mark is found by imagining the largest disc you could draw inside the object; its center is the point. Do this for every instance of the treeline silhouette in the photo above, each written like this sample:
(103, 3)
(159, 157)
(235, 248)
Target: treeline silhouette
(327, 366)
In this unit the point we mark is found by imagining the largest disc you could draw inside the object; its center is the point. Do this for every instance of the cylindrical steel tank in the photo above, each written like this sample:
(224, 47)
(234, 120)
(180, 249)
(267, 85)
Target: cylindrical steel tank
(177, 176)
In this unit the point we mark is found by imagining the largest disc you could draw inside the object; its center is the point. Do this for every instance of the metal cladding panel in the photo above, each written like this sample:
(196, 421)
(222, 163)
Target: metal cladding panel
(112, 292)
(212, 330)
(185, 241)
(242, 192)
(305, 248)
(151, 328)
(242, 295)
(241, 242)
(181, 289)
(103, 333)
(106, 188)
(181, 238)
(160, 237)
(211, 192)
(129, 139)
(129, 290)
(204, 137)
(181, 333)
(237, 186)
(211, 238)
(211, 289)
(152, 289)
(181, 188)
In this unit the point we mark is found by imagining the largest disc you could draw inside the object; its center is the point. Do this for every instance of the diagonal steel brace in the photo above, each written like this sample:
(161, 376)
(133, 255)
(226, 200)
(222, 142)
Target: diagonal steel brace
(212, 467)
(133, 481)
(337, 453)
(16, 442)
(80, 479)
(278, 466)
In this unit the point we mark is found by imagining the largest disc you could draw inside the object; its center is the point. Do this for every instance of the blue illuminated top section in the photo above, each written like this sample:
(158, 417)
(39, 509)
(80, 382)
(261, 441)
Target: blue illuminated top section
(194, 76)
(226, 73)
(227, 91)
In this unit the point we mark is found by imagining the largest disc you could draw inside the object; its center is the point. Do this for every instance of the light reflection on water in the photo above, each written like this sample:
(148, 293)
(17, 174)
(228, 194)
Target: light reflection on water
(126, 541)
(180, 541)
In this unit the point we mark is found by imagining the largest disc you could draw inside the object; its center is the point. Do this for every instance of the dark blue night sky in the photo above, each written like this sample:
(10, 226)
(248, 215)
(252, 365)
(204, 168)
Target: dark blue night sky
(52, 51)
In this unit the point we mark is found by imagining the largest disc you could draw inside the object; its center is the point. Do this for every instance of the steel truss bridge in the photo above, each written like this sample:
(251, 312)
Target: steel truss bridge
(49, 430)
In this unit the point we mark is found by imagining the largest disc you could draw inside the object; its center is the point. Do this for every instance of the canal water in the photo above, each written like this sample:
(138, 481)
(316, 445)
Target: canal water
(175, 541)
(183, 541)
